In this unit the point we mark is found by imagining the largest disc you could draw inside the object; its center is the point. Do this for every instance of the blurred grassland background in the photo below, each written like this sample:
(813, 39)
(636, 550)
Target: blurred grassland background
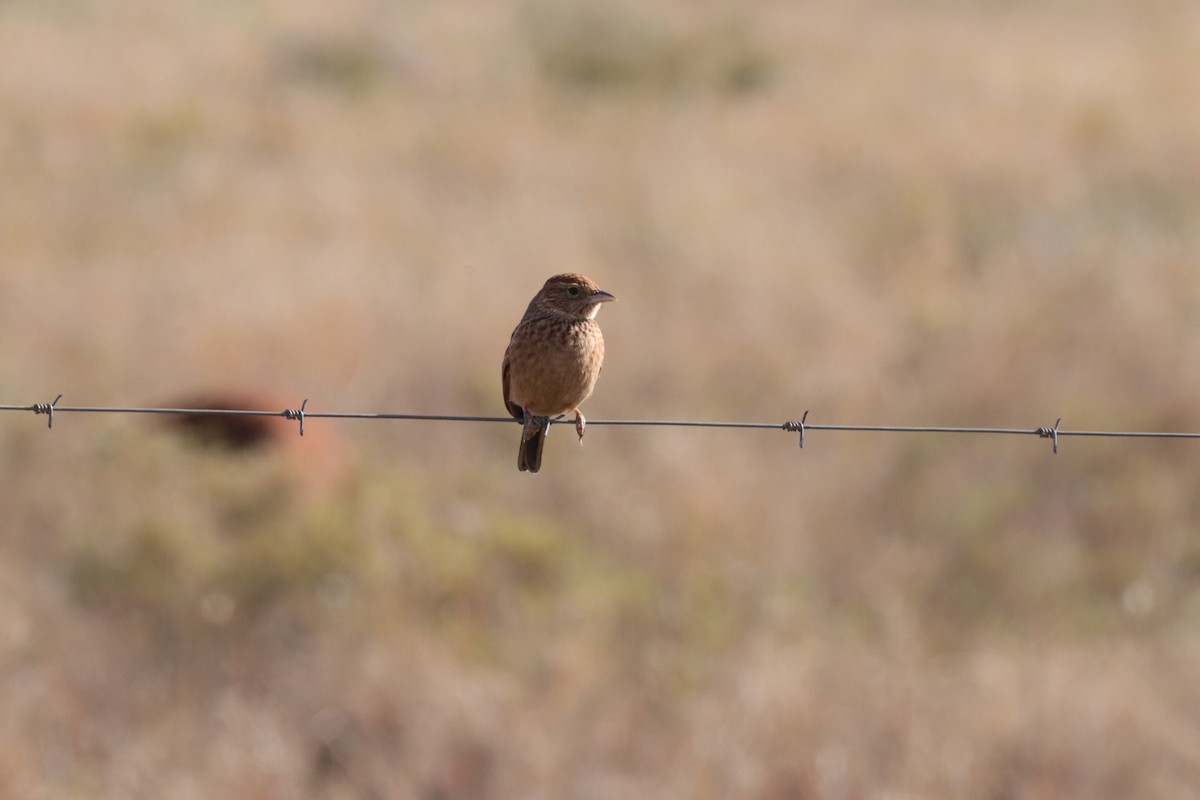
(935, 212)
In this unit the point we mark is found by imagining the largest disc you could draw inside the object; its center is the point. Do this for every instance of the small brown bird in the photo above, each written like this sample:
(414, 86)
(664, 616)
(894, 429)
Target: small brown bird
(553, 360)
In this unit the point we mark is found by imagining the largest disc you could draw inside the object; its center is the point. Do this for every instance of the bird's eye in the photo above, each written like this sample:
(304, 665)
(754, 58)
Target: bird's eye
(573, 291)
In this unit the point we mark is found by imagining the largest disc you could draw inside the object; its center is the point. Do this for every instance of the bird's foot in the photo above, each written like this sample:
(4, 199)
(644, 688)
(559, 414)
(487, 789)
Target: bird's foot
(580, 424)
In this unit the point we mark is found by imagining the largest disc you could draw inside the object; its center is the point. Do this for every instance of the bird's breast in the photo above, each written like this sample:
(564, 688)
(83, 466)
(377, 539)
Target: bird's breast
(553, 364)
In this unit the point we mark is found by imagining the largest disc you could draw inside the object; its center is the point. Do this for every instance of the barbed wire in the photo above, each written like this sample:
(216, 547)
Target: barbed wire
(801, 426)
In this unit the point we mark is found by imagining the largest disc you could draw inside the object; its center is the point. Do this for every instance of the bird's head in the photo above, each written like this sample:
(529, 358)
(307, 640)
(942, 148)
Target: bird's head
(573, 295)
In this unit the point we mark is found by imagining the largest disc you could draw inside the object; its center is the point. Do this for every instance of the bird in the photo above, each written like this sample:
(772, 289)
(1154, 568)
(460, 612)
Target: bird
(553, 359)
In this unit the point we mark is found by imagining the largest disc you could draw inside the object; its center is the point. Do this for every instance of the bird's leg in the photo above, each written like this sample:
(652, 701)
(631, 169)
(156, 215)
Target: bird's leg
(580, 423)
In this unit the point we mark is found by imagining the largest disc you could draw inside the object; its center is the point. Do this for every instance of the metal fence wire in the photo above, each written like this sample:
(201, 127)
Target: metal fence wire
(800, 426)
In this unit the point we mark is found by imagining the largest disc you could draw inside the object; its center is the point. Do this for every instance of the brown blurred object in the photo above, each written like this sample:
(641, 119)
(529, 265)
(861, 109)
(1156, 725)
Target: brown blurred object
(232, 431)
(317, 458)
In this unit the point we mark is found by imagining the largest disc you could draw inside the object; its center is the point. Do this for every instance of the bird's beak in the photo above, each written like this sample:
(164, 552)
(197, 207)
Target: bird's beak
(601, 296)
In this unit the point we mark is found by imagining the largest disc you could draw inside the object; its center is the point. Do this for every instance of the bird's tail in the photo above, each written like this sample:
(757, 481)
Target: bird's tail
(533, 436)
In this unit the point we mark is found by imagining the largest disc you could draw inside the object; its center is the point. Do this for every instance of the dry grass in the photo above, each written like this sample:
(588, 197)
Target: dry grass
(959, 213)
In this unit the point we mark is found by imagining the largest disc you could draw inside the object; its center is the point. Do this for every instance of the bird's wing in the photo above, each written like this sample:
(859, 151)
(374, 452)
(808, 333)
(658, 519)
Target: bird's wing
(512, 407)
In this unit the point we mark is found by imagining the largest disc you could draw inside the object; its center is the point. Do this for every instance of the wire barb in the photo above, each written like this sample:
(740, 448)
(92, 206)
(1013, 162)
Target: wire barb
(1051, 433)
(47, 409)
(296, 413)
(793, 427)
